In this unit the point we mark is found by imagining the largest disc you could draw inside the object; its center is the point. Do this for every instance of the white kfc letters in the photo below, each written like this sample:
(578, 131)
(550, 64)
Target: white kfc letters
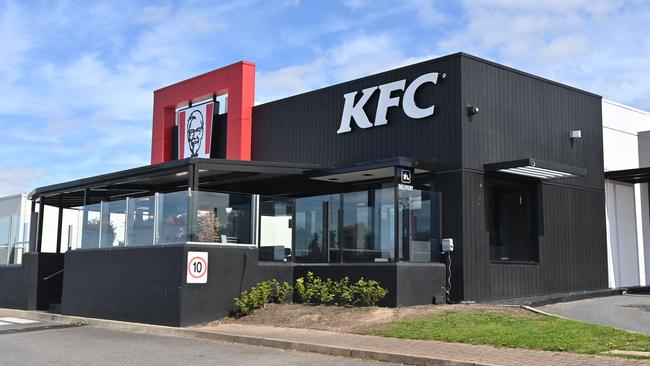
(352, 111)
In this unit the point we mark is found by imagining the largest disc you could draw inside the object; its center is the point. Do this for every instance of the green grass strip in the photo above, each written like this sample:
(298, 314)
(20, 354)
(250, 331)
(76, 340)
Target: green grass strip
(504, 330)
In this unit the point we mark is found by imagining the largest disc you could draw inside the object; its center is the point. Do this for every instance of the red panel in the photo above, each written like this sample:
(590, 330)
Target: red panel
(181, 135)
(238, 80)
(208, 127)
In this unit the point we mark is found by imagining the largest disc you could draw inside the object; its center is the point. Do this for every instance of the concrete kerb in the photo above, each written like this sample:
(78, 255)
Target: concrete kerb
(358, 353)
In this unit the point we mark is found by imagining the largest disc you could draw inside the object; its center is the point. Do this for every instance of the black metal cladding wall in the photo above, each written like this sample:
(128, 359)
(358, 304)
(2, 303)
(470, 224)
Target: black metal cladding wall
(572, 248)
(303, 128)
(523, 116)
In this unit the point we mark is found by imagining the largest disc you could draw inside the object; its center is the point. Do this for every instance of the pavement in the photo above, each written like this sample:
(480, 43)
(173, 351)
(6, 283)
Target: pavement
(88, 345)
(104, 340)
(629, 312)
(12, 325)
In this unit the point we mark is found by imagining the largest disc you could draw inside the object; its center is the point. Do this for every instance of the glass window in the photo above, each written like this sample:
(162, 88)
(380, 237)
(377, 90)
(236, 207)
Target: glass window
(368, 233)
(20, 240)
(5, 228)
(90, 226)
(113, 223)
(275, 228)
(333, 228)
(223, 218)
(140, 221)
(512, 220)
(70, 226)
(172, 218)
(314, 215)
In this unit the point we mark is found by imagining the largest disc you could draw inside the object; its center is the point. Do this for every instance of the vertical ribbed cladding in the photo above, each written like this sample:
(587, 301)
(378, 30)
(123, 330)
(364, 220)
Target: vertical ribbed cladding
(302, 128)
(522, 116)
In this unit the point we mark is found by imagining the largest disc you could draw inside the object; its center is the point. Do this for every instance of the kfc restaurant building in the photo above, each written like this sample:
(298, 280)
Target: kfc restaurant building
(363, 178)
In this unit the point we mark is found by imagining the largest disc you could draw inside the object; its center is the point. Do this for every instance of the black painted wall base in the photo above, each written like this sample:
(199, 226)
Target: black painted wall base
(30, 285)
(148, 284)
(12, 287)
(407, 283)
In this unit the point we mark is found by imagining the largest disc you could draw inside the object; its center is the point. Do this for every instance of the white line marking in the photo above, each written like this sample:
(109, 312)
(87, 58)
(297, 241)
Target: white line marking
(1, 324)
(17, 320)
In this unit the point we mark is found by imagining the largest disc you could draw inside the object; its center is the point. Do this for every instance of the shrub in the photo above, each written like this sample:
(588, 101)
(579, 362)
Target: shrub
(307, 288)
(312, 289)
(327, 292)
(367, 293)
(261, 294)
(344, 294)
(280, 292)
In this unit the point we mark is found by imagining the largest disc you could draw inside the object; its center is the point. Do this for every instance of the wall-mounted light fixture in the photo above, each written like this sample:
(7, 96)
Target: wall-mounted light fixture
(575, 134)
(472, 110)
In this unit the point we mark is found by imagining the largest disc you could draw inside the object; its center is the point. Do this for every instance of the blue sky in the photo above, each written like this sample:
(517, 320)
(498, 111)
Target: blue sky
(77, 78)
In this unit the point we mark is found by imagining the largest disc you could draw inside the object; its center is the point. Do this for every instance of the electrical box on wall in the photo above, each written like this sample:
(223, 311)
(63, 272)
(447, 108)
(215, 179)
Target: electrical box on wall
(447, 245)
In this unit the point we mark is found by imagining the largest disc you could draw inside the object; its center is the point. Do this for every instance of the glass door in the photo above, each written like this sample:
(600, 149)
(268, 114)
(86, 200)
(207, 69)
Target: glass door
(418, 225)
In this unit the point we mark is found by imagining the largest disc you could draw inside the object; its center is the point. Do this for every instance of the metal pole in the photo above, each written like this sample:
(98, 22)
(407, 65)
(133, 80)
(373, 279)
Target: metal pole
(193, 186)
(41, 216)
(59, 231)
(10, 244)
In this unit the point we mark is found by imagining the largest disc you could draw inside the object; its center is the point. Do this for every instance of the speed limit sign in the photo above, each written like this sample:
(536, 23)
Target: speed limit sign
(197, 267)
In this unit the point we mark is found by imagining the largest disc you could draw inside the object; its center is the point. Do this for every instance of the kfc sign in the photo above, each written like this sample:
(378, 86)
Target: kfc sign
(194, 131)
(354, 112)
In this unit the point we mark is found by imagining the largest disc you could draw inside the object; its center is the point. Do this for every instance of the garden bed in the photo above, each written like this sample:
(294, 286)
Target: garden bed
(355, 319)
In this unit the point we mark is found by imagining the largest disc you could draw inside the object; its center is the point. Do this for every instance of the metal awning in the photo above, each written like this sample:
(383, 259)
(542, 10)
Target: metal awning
(175, 175)
(378, 169)
(538, 169)
(638, 175)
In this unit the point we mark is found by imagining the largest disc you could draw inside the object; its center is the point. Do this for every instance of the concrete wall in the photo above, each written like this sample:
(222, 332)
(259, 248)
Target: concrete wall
(626, 146)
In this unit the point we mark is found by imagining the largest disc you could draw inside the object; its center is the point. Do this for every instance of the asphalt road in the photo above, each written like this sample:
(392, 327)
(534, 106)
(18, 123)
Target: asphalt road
(87, 345)
(631, 312)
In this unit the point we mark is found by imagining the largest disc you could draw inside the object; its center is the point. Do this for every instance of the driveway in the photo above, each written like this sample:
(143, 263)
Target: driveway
(631, 312)
(26, 342)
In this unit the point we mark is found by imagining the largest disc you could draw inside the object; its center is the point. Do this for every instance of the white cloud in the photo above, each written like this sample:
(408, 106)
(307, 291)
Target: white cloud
(14, 181)
(598, 45)
(352, 57)
(426, 12)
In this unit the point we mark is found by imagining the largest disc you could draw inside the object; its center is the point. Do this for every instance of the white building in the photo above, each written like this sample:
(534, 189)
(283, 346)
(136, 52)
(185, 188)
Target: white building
(626, 149)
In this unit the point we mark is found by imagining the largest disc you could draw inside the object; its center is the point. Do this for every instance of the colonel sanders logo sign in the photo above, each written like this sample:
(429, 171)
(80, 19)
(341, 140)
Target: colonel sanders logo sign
(194, 128)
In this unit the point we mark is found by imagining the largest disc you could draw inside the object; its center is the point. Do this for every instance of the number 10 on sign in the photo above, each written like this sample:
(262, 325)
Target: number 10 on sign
(197, 267)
